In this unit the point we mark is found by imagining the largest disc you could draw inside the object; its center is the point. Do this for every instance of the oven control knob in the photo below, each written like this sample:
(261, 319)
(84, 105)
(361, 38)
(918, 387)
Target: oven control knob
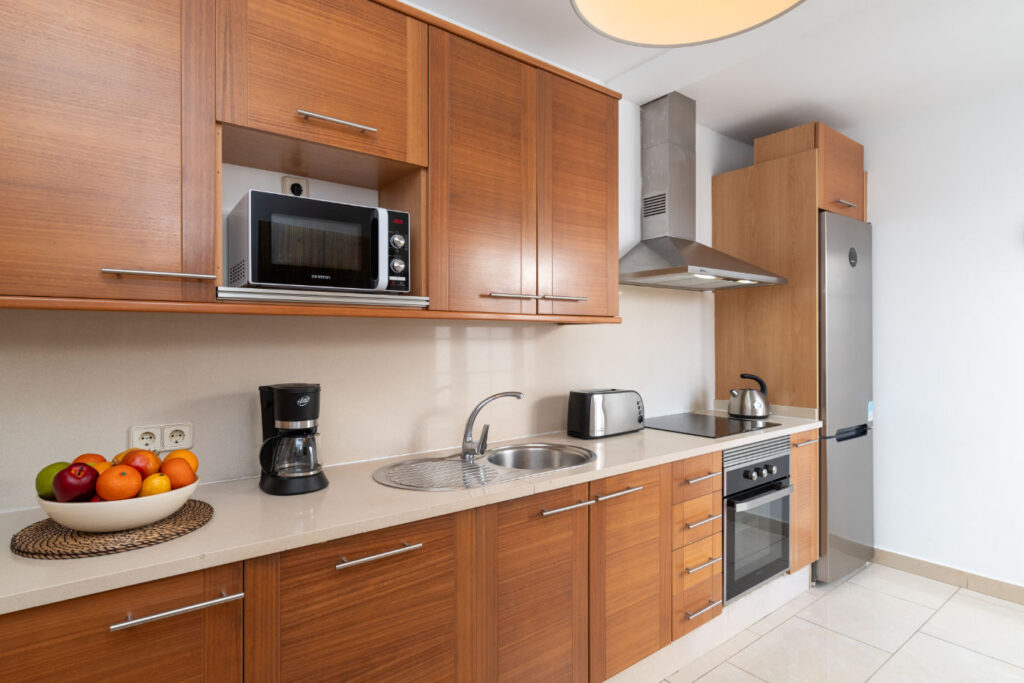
(397, 265)
(773, 469)
(398, 240)
(752, 475)
(764, 471)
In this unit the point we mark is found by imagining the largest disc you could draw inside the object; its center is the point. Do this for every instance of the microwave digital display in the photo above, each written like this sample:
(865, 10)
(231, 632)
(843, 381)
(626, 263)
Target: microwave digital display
(317, 243)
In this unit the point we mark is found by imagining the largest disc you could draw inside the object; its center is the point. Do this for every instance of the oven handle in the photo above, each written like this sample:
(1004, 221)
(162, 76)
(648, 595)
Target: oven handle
(383, 227)
(761, 500)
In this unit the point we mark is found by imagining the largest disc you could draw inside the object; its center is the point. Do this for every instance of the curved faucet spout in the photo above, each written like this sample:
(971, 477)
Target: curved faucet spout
(471, 449)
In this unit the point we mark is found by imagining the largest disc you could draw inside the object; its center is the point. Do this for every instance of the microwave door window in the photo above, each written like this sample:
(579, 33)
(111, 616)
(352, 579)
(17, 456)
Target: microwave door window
(316, 251)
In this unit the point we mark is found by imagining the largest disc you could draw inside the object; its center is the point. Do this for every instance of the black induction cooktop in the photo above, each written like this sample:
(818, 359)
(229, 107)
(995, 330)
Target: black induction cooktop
(708, 426)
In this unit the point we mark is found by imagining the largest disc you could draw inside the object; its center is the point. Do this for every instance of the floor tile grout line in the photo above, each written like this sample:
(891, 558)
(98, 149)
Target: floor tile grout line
(971, 649)
(900, 597)
(856, 640)
(742, 669)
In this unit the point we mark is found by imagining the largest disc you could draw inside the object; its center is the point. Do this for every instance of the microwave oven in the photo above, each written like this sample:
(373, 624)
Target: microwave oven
(277, 240)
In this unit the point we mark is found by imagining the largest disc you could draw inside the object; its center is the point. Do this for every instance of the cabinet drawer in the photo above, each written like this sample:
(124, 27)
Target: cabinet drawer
(696, 477)
(696, 606)
(696, 519)
(696, 563)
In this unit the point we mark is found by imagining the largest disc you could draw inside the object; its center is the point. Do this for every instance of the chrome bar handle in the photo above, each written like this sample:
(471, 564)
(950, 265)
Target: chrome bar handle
(769, 497)
(553, 297)
(129, 622)
(806, 443)
(331, 119)
(623, 492)
(849, 205)
(157, 273)
(406, 548)
(702, 522)
(711, 605)
(694, 570)
(507, 295)
(709, 475)
(581, 504)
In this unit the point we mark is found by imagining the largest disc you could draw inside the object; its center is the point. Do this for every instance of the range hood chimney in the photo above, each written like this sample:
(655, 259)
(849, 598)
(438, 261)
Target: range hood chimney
(668, 254)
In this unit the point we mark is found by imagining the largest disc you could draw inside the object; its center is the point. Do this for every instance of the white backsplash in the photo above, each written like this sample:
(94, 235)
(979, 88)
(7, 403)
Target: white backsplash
(74, 382)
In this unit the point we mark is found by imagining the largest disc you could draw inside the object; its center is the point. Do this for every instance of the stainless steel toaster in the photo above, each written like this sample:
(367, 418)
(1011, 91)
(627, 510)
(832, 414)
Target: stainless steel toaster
(595, 413)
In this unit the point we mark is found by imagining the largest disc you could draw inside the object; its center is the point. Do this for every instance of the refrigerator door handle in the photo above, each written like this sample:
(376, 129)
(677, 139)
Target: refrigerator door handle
(844, 434)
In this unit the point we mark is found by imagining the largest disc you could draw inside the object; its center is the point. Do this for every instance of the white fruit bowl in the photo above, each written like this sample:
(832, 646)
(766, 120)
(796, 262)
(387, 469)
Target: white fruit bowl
(117, 515)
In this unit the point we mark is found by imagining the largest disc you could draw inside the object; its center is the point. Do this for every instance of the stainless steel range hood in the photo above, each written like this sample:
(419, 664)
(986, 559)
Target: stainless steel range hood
(668, 254)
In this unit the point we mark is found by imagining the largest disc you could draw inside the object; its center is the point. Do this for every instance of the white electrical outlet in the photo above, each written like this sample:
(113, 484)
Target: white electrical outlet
(177, 436)
(148, 437)
(297, 187)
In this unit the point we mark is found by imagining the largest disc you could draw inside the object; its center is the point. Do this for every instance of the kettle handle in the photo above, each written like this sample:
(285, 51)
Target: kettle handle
(760, 382)
(267, 454)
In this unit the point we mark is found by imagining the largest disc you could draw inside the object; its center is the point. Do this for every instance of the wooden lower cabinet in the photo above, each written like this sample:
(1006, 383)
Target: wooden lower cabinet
(72, 640)
(630, 562)
(330, 612)
(803, 549)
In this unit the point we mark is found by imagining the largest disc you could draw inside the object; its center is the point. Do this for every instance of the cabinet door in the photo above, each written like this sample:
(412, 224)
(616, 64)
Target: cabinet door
(350, 60)
(483, 223)
(388, 618)
(841, 177)
(72, 640)
(803, 548)
(92, 146)
(630, 569)
(539, 599)
(578, 234)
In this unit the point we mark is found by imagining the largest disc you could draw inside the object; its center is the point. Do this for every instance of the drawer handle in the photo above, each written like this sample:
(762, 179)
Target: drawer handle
(805, 443)
(129, 622)
(623, 492)
(507, 295)
(553, 297)
(709, 475)
(581, 504)
(849, 205)
(711, 605)
(340, 122)
(157, 273)
(694, 570)
(694, 525)
(406, 548)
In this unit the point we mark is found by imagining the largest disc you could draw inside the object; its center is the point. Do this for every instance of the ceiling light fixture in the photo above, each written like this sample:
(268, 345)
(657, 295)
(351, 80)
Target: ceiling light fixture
(676, 23)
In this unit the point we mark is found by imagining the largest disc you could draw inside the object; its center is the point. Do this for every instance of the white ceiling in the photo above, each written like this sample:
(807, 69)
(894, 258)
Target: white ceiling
(846, 62)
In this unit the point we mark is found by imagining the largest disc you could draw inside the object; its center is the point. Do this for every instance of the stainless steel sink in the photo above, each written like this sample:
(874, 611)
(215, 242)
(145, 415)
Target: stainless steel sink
(540, 456)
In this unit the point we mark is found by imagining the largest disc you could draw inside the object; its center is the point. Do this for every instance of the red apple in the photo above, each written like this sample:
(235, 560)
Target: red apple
(74, 483)
(146, 462)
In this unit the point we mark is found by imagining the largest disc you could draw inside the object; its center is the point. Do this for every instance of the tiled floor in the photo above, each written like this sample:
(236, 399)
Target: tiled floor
(881, 625)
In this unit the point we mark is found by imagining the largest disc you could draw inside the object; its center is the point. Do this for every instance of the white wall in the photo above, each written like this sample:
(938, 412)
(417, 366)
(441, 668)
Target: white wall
(946, 197)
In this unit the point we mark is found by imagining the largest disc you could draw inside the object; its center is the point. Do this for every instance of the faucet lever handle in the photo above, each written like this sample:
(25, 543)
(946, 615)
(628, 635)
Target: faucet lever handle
(481, 445)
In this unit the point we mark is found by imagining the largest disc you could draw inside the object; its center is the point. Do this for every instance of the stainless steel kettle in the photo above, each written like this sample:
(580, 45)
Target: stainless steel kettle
(750, 403)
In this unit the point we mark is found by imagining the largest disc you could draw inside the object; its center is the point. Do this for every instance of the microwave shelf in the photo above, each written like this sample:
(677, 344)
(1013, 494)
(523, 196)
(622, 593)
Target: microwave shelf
(317, 297)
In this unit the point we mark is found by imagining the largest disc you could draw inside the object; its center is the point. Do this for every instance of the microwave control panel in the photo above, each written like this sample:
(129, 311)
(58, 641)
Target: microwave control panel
(398, 251)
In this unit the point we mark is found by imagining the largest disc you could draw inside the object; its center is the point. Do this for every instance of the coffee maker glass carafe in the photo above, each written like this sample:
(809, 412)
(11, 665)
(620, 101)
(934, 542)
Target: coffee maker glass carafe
(288, 456)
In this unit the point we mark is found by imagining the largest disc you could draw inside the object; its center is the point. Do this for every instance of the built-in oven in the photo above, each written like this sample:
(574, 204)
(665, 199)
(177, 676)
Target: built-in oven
(757, 512)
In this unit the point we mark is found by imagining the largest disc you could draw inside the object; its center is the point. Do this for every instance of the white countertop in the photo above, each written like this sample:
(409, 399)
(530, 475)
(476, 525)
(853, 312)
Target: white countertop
(248, 523)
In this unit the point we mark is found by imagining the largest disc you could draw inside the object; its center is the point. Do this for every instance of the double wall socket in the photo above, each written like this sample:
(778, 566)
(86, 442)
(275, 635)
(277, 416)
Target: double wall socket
(162, 437)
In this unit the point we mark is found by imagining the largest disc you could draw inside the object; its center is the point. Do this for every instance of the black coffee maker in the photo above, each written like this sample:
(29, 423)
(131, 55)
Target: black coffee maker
(288, 456)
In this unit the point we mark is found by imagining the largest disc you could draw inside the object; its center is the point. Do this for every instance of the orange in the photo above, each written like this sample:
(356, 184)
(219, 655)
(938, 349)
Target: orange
(154, 484)
(101, 467)
(179, 472)
(187, 456)
(89, 458)
(118, 482)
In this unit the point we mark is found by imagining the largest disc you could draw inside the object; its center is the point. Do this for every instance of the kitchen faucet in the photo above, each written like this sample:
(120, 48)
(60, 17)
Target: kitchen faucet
(471, 449)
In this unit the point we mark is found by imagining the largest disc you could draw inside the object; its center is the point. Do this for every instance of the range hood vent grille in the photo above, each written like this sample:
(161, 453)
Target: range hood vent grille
(654, 205)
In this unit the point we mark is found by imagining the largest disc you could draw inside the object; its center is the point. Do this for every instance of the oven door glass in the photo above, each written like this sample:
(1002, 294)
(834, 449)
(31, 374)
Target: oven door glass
(312, 243)
(756, 537)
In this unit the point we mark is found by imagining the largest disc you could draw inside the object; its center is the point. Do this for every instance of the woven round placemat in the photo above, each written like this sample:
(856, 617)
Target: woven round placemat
(47, 540)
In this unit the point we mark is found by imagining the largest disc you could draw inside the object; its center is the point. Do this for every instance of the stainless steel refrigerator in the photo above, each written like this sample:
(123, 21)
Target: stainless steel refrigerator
(847, 532)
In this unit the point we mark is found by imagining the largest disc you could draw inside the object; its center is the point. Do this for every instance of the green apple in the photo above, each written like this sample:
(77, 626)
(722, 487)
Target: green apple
(44, 480)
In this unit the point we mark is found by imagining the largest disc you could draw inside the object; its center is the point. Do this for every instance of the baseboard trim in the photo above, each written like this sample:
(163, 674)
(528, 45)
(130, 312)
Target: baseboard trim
(956, 577)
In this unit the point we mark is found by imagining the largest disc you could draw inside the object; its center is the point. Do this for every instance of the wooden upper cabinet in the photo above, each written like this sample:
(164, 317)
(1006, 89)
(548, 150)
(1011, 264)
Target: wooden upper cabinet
(842, 183)
(93, 143)
(630, 569)
(72, 640)
(375, 617)
(803, 549)
(483, 156)
(350, 60)
(577, 182)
